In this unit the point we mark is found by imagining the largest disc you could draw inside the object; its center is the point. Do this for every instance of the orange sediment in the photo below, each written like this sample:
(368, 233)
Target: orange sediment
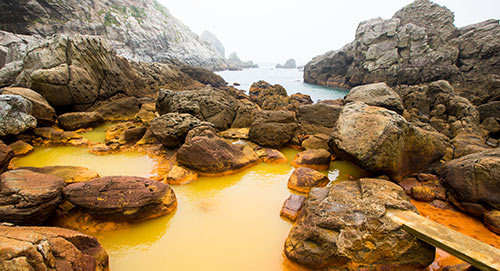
(458, 221)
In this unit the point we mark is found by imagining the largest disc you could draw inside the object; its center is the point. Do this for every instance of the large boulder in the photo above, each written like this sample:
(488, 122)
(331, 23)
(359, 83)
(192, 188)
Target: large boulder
(50, 248)
(213, 155)
(381, 141)
(77, 120)
(206, 104)
(15, 115)
(344, 226)
(377, 94)
(171, 129)
(6, 154)
(474, 179)
(122, 198)
(311, 123)
(42, 111)
(273, 129)
(76, 71)
(29, 198)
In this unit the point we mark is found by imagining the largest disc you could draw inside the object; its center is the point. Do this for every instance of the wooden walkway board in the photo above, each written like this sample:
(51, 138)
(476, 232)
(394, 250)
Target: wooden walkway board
(478, 254)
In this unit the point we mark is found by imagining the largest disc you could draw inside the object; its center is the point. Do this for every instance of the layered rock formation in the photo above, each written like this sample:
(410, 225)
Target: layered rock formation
(139, 30)
(50, 248)
(419, 44)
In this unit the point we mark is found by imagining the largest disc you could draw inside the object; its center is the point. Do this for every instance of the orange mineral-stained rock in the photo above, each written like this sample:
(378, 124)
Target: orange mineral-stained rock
(303, 179)
(180, 175)
(318, 159)
(292, 206)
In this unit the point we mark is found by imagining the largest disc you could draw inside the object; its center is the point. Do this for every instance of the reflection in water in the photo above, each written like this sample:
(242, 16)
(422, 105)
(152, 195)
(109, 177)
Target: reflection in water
(222, 223)
(127, 163)
(98, 134)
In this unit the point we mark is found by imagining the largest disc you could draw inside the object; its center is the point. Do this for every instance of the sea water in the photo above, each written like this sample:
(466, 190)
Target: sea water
(290, 79)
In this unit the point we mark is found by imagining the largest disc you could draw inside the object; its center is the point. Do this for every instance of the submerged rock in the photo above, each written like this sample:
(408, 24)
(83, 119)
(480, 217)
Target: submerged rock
(122, 198)
(214, 155)
(15, 115)
(29, 198)
(70, 174)
(381, 141)
(78, 120)
(344, 226)
(50, 248)
(42, 111)
(303, 179)
(314, 158)
(180, 175)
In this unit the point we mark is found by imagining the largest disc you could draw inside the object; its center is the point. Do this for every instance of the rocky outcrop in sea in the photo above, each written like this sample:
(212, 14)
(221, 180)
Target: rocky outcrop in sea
(419, 44)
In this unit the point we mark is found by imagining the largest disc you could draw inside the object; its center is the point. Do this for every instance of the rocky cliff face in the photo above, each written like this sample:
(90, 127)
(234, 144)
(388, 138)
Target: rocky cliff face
(207, 36)
(140, 30)
(419, 44)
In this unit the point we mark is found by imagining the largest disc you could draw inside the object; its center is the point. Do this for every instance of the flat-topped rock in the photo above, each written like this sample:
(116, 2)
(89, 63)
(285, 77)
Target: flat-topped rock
(314, 158)
(77, 120)
(377, 94)
(303, 179)
(214, 155)
(122, 198)
(20, 148)
(29, 198)
(50, 248)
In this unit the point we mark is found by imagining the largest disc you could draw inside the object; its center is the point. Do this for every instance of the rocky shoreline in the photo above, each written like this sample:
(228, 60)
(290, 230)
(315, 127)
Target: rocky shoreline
(428, 139)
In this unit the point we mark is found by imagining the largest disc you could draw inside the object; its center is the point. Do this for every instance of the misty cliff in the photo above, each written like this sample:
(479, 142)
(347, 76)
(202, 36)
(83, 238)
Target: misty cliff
(140, 30)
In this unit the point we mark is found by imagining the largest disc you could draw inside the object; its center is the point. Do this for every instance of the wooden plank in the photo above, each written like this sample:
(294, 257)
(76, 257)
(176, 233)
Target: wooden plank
(478, 254)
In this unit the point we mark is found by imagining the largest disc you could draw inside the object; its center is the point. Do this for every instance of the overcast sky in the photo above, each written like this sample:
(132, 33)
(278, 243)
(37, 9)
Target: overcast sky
(275, 30)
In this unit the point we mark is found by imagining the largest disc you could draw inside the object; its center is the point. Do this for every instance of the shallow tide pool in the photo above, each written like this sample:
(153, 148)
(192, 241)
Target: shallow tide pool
(222, 223)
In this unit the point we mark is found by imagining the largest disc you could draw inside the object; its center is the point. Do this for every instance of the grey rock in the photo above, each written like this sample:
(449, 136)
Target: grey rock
(42, 111)
(140, 31)
(211, 39)
(171, 129)
(377, 94)
(289, 64)
(207, 104)
(15, 115)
